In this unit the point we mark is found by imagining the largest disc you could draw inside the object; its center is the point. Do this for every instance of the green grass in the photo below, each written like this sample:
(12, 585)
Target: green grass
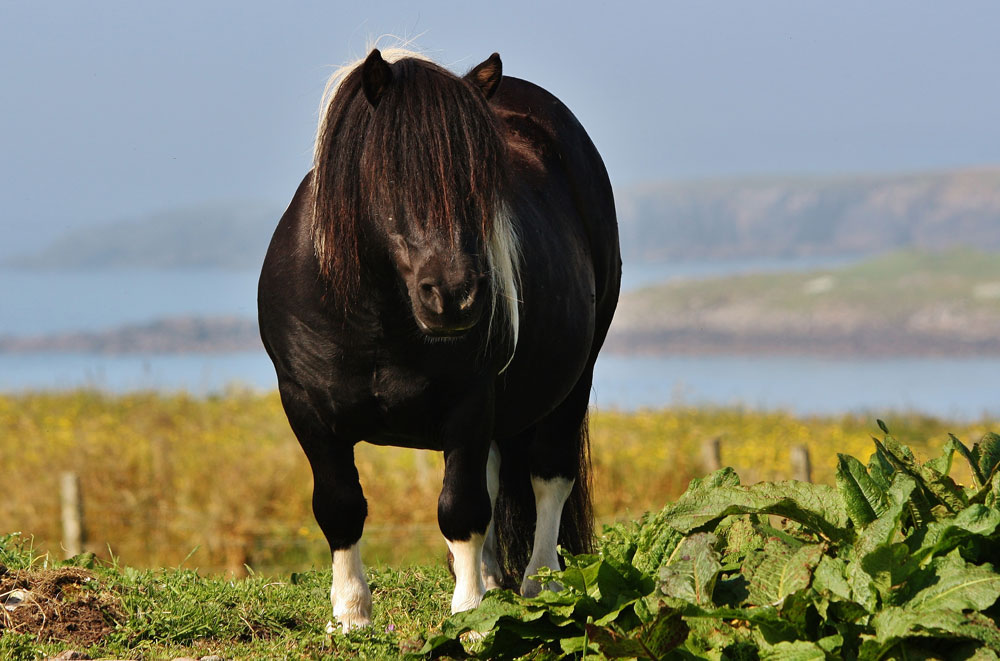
(168, 613)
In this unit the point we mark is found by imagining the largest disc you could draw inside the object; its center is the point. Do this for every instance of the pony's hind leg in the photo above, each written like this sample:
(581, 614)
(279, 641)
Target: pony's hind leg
(492, 574)
(557, 464)
(550, 497)
(339, 506)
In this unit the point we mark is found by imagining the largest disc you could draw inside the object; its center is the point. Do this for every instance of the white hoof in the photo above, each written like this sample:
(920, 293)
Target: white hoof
(347, 622)
(468, 562)
(350, 595)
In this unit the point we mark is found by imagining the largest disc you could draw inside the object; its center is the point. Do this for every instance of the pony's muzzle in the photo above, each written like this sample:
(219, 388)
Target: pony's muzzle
(441, 310)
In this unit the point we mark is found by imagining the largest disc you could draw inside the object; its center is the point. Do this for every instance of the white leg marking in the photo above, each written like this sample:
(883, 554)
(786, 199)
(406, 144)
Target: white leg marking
(550, 496)
(351, 598)
(491, 568)
(468, 562)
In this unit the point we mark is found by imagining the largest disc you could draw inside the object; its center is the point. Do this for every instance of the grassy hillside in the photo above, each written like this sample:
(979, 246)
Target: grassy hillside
(903, 303)
(758, 217)
(774, 217)
(227, 236)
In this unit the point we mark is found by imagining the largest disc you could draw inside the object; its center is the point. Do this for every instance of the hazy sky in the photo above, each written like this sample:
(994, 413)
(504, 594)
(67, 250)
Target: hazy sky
(115, 109)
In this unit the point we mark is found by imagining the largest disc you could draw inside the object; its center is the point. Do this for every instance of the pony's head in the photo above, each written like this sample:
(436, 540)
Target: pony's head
(411, 164)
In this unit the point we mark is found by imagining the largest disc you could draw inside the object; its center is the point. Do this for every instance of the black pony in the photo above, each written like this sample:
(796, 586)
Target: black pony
(443, 279)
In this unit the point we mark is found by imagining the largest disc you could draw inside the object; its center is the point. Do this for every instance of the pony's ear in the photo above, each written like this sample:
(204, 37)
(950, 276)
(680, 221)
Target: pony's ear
(376, 76)
(486, 76)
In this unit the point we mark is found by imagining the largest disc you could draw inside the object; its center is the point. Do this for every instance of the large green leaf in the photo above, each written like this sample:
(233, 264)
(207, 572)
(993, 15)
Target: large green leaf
(864, 499)
(949, 582)
(799, 650)
(972, 522)
(940, 488)
(896, 623)
(656, 540)
(888, 526)
(651, 641)
(987, 454)
(778, 570)
(880, 469)
(829, 578)
(817, 507)
(977, 477)
(692, 570)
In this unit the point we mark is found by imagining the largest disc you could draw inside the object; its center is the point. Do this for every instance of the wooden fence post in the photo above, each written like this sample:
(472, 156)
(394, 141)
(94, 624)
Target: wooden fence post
(72, 513)
(801, 465)
(711, 455)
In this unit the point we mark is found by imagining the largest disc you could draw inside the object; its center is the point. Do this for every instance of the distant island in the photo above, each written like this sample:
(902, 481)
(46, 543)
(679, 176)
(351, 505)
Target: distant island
(902, 304)
(715, 219)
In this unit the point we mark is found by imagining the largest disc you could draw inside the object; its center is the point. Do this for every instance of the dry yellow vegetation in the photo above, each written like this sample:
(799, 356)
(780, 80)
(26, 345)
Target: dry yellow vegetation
(165, 474)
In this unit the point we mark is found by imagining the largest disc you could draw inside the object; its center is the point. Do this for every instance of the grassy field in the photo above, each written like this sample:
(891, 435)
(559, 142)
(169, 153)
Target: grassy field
(893, 562)
(219, 484)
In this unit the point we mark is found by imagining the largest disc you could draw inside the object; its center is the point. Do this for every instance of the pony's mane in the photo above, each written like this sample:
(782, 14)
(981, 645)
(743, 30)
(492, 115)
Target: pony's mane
(432, 151)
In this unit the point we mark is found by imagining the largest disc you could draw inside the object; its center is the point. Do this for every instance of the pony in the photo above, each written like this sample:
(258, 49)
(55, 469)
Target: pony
(443, 279)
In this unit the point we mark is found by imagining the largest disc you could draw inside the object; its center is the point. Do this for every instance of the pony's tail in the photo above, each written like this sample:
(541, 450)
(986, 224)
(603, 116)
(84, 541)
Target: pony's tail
(514, 511)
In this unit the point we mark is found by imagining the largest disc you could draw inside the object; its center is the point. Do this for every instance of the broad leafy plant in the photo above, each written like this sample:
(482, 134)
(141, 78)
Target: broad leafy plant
(897, 561)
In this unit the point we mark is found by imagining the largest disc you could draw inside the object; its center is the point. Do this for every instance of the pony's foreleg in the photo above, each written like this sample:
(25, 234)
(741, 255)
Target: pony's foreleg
(464, 512)
(339, 506)
(492, 575)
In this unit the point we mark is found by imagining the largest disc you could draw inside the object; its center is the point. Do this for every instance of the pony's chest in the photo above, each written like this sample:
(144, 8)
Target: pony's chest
(399, 388)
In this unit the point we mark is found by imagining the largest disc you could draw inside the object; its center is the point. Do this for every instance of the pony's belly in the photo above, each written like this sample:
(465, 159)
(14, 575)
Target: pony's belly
(539, 383)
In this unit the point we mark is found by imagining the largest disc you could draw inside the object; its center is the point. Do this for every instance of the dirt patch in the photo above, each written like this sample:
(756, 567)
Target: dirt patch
(55, 605)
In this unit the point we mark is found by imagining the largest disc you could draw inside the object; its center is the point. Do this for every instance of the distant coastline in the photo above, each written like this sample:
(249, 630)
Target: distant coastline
(198, 335)
(905, 304)
(164, 336)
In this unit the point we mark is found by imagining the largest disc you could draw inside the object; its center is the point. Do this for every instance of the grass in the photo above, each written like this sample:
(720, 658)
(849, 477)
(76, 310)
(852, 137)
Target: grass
(219, 483)
(169, 613)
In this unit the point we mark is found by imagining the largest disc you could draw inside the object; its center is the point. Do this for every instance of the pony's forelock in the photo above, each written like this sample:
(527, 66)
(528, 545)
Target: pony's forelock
(397, 50)
(497, 228)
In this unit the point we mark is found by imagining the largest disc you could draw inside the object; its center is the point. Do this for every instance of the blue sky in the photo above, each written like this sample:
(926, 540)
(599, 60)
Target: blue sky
(116, 109)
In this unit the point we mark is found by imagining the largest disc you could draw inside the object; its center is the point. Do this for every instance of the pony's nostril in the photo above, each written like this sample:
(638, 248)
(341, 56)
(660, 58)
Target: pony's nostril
(468, 298)
(430, 296)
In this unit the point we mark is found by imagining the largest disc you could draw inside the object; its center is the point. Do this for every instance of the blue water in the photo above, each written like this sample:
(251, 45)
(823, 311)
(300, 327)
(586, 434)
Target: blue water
(949, 388)
(32, 303)
(48, 302)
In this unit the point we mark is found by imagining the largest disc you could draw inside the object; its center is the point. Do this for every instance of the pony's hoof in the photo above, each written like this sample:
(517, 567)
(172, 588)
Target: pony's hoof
(532, 588)
(346, 622)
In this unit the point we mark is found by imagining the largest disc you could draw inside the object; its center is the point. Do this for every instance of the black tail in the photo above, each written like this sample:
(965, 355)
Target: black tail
(514, 511)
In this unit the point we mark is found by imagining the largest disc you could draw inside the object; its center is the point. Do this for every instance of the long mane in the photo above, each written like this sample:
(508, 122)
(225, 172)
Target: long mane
(432, 151)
